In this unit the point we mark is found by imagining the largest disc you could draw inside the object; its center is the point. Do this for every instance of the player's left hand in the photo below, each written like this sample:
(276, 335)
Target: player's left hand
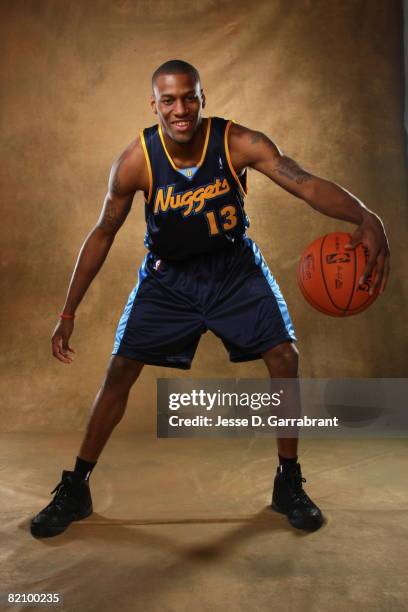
(371, 234)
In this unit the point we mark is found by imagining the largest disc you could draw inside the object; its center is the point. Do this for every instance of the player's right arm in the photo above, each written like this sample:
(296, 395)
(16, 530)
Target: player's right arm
(254, 149)
(128, 175)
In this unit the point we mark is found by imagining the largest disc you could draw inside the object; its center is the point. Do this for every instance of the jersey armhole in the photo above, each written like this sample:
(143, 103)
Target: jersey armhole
(149, 167)
(242, 184)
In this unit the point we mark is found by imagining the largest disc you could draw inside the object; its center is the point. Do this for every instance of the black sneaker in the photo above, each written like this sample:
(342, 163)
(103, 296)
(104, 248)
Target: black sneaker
(72, 502)
(289, 498)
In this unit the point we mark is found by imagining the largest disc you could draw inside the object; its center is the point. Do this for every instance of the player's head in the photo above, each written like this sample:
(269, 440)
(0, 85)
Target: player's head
(177, 99)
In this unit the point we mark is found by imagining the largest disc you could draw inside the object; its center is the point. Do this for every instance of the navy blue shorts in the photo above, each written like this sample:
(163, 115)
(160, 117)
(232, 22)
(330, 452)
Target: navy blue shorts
(232, 293)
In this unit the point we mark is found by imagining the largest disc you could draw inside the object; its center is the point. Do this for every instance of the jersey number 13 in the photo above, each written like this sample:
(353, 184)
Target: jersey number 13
(227, 219)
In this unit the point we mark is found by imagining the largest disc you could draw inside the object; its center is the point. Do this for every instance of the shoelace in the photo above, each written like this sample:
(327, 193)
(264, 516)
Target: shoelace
(62, 491)
(300, 495)
(60, 486)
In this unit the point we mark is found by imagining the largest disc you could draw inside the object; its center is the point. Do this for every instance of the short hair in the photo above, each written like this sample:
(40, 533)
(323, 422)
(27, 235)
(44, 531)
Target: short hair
(176, 67)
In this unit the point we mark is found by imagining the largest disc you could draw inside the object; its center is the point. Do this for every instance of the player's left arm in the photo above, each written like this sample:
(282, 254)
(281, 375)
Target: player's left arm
(249, 148)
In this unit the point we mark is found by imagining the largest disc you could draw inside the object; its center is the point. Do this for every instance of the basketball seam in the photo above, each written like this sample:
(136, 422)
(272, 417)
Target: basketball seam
(364, 305)
(312, 303)
(354, 282)
(350, 311)
(324, 278)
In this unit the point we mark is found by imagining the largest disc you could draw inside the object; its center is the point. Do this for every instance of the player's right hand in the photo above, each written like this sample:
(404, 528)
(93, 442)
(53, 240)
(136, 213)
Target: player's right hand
(60, 340)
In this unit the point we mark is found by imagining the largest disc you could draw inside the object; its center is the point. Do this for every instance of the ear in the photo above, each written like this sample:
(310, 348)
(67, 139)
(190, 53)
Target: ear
(203, 98)
(153, 104)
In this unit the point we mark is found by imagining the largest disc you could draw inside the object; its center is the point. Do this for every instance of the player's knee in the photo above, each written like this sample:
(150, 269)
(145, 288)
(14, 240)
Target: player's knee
(121, 375)
(285, 357)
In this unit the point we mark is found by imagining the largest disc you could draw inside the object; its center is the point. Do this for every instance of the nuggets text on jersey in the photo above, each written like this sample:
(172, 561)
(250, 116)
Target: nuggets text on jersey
(192, 201)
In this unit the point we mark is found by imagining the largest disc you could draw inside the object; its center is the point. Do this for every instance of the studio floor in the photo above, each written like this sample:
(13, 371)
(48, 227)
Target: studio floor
(185, 525)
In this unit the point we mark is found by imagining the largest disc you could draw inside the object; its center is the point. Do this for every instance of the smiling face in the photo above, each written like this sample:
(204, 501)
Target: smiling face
(178, 101)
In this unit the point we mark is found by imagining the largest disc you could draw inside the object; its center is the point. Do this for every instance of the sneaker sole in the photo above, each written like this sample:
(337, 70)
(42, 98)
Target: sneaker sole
(47, 531)
(310, 524)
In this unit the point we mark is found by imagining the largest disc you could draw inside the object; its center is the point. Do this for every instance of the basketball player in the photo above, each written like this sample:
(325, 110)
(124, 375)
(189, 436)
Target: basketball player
(201, 271)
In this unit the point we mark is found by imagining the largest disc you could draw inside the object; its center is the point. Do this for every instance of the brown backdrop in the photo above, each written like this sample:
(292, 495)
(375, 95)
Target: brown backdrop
(322, 78)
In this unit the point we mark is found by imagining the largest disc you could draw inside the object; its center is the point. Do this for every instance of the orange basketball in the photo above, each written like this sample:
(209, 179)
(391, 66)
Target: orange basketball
(328, 276)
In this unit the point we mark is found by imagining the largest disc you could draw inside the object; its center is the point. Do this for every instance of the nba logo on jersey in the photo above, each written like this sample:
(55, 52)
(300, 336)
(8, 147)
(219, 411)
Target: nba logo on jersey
(189, 173)
(220, 162)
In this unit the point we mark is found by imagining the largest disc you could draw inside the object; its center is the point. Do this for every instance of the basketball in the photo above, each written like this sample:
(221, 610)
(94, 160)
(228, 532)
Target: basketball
(328, 276)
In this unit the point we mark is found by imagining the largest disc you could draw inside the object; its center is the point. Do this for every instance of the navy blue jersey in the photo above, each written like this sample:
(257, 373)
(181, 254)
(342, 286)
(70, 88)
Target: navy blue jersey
(192, 211)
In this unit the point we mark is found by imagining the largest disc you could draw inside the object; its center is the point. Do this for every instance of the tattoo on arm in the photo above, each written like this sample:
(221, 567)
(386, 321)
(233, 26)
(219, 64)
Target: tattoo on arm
(285, 165)
(260, 137)
(118, 201)
(116, 186)
(109, 219)
(113, 217)
(289, 168)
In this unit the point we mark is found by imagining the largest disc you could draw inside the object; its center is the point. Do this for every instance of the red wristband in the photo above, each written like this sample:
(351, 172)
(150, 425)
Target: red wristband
(66, 316)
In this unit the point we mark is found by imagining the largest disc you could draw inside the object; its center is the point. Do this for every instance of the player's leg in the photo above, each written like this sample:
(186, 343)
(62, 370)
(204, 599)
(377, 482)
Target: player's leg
(282, 361)
(160, 325)
(288, 496)
(251, 317)
(109, 405)
(72, 500)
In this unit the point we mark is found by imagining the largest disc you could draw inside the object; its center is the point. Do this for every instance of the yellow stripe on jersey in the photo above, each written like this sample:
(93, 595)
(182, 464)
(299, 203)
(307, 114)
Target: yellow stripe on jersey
(231, 167)
(207, 138)
(149, 167)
